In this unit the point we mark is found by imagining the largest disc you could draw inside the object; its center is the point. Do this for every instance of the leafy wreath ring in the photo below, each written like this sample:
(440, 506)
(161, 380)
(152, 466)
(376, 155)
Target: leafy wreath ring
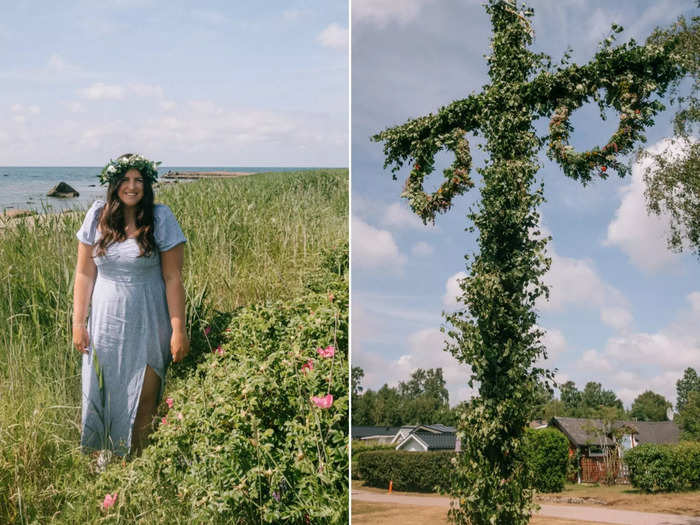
(115, 169)
(635, 113)
(456, 182)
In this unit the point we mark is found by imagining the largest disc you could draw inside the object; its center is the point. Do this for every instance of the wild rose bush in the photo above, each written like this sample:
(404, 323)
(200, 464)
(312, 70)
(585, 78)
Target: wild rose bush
(241, 441)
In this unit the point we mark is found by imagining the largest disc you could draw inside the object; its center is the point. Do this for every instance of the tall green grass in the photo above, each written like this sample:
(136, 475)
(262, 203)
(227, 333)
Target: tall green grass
(250, 240)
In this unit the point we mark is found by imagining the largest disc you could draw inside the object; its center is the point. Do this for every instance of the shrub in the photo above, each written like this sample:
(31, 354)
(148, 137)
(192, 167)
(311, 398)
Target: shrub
(360, 447)
(414, 471)
(243, 441)
(664, 468)
(687, 460)
(547, 456)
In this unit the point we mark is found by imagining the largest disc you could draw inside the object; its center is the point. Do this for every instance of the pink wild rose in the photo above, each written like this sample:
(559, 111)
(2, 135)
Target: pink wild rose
(169, 402)
(322, 402)
(308, 366)
(207, 330)
(329, 351)
(179, 415)
(109, 500)
(219, 350)
(164, 420)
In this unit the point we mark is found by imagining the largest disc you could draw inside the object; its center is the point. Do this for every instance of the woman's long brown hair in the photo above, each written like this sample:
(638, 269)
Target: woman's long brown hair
(112, 224)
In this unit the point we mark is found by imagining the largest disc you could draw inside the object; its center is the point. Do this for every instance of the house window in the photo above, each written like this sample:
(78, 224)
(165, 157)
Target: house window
(595, 451)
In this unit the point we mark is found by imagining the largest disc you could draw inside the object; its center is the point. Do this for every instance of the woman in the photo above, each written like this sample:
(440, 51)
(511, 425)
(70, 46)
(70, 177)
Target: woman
(129, 267)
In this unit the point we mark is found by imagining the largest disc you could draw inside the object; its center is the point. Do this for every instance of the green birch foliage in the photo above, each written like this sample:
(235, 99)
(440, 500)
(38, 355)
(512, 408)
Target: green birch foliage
(496, 332)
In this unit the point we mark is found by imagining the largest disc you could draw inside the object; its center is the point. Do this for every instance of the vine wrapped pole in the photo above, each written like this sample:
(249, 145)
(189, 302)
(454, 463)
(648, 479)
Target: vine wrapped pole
(496, 332)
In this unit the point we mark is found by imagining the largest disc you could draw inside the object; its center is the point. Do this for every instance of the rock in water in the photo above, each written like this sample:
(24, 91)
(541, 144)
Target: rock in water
(62, 190)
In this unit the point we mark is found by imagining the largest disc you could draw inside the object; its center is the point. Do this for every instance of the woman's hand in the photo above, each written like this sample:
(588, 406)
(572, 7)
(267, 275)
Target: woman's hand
(179, 346)
(81, 339)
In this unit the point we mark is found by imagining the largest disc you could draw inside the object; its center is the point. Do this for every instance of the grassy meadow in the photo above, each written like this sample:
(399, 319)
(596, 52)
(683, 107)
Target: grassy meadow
(265, 260)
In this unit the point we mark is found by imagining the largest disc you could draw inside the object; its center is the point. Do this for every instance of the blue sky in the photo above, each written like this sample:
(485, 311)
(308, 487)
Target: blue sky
(212, 83)
(624, 311)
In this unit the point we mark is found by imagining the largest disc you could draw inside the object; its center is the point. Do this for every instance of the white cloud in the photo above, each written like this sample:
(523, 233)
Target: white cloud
(422, 249)
(592, 361)
(145, 90)
(167, 105)
(364, 325)
(19, 119)
(334, 36)
(640, 235)
(616, 317)
(554, 341)
(75, 107)
(33, 109)
(632, 363)
(629, 385)
(102, 91)
(575, 282)
(659, 349)
(382, 12)
(16, 108)
(452, 291)
(425, 350)
(400, 217)
(374, 248)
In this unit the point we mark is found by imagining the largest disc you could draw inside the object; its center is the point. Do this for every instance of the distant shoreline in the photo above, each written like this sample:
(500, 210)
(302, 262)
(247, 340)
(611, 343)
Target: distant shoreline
(205, 174)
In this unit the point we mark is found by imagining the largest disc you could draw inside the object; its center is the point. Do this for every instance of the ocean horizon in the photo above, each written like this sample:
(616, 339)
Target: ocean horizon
(25, 187)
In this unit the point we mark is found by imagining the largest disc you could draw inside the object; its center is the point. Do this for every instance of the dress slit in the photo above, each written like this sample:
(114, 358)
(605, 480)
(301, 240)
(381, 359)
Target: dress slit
(135, 408)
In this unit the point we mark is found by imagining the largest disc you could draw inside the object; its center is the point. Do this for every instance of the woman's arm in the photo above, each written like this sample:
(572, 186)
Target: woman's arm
(85, 273)
(171, 266)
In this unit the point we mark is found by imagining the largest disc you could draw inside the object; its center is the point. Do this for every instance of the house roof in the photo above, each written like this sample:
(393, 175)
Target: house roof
(658, 432)
(432, 441)
(581, 432)
(359, 432)
(445, 441)
(442, 428)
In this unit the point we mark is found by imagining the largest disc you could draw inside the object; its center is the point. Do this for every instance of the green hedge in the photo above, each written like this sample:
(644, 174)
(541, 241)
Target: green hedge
(410, 471)
(360, 447)
(547, 452)
(664, 468)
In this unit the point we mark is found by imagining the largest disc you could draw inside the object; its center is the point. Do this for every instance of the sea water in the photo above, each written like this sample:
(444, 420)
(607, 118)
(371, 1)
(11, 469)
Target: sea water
(25, 188)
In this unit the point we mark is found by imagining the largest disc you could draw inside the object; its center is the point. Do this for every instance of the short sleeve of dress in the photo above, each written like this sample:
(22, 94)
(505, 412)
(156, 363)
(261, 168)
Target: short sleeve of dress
(167, 231)
(88, 231)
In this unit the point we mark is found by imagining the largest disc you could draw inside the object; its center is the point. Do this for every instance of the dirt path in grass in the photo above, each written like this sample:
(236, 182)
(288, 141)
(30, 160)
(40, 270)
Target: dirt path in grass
(570, 512)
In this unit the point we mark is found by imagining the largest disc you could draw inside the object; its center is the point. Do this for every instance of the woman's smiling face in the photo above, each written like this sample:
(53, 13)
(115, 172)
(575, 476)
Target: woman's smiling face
(131, 188)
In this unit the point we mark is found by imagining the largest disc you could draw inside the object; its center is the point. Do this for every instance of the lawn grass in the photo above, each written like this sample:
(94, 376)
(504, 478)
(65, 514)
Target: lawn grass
(623, 497)
(250, 240)
(626, 497)
(366, 513)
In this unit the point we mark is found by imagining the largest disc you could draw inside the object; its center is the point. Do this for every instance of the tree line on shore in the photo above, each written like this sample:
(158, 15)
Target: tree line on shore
(424, 399)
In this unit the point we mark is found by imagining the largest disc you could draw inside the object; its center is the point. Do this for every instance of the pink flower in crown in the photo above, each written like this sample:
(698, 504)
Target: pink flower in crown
(219, 350)
(109, 500)
(329, 351)
(169, 402)
(180, 416)
(207, 330)
(163, 421)
(308, 366)
(322, 402)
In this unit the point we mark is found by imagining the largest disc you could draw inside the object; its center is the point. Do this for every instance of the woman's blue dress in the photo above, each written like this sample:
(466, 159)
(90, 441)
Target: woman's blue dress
(129, 327)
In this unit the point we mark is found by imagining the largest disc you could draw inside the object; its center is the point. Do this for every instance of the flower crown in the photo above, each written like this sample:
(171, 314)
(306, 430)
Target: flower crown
(116, 169)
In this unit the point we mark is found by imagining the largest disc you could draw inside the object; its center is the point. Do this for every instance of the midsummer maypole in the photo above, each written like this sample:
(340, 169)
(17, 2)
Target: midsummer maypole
(496, 332)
